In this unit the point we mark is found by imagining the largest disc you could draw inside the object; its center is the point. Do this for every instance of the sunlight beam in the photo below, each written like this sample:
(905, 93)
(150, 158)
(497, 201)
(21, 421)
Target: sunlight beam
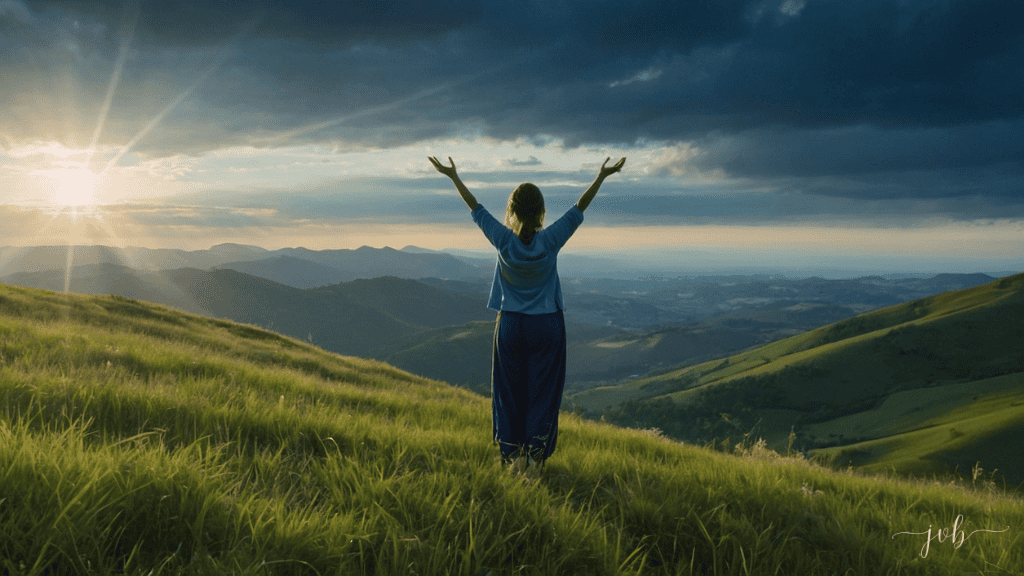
(366, 112)
(313, 127)
(160, 115)
(67, 268)
(115, 79)
(227, 49)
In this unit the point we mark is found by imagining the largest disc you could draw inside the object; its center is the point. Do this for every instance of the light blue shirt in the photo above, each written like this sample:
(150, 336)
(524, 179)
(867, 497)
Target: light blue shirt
(526, 275)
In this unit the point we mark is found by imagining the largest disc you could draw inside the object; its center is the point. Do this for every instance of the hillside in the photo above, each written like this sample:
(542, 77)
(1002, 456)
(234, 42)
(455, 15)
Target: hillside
(410, 301)
(135, 439)
(294, 272)
(908, 367)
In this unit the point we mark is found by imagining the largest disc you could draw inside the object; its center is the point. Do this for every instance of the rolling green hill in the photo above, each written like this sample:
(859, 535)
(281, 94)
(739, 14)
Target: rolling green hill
(929, 363)
(136, 439)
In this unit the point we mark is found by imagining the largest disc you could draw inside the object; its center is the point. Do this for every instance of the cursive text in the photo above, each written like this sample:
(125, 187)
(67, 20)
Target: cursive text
(957, 537)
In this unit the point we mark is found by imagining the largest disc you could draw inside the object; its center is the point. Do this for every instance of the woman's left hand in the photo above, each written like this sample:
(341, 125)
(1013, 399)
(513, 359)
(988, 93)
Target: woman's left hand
(448, 171)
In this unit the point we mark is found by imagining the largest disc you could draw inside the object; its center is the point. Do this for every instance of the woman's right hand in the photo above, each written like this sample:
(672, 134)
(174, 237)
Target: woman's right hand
(609, 170)
(448, 171)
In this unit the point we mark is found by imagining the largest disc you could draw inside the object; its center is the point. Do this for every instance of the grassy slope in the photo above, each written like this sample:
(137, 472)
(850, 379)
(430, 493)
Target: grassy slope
(137, 439)
(950, 336)
(984, 429)
(891, 366)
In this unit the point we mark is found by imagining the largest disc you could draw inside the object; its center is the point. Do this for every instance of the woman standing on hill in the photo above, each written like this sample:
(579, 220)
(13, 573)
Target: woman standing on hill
(528, 366)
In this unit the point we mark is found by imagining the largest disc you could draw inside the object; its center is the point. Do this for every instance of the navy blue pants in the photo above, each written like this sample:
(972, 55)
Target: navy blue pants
(527, 380)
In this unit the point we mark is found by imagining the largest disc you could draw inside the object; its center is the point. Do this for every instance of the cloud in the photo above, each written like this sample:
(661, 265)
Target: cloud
(792, 7)
(531, 161)
(856, 150)
(325, 23)
(643, 202)
(643, 76)
(584, 72)
(817, 97)
(16, 11)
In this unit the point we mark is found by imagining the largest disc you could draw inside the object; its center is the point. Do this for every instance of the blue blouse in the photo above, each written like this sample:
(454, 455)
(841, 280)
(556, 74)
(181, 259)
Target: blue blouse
(526, 275)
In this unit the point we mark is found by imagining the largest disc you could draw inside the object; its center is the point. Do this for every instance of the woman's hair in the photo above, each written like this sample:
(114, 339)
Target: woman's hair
(524, 214)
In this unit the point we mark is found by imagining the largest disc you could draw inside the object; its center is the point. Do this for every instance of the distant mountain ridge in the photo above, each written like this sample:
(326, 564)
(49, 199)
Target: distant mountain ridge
(43, 258)
(299, 267)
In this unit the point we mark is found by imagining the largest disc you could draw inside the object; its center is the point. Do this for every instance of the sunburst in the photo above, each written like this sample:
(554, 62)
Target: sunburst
(79, 201)
(71, 187)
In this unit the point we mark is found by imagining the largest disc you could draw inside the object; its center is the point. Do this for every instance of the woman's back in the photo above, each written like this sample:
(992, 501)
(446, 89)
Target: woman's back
(526, 275)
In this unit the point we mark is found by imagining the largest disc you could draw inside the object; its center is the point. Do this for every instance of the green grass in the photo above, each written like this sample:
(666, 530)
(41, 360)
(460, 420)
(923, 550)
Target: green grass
(138, 440)
(965, 435)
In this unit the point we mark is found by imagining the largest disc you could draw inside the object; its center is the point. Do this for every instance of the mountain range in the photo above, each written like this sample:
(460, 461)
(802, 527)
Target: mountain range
(298, 267)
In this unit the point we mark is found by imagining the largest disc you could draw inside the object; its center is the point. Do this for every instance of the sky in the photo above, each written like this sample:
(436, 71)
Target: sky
(877, 135)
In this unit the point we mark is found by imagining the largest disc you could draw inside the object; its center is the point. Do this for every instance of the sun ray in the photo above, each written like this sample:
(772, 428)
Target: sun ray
(313, 127)
(160, 116)
(115, 79)
(365, 112)
(67, 268)
(226, 50)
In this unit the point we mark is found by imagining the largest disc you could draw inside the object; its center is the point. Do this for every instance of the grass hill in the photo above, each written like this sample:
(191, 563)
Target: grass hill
(136, 439)
(108, 278)
(931, 385)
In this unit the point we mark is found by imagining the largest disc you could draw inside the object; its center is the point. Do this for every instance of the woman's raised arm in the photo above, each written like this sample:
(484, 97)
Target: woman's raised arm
(605, 172)
(449, 171)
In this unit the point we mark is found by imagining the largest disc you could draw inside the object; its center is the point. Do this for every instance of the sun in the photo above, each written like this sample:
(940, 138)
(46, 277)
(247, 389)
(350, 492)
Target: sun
(71, 187)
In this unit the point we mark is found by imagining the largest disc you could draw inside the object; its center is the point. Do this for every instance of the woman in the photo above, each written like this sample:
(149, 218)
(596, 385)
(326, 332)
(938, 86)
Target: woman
(528, 366)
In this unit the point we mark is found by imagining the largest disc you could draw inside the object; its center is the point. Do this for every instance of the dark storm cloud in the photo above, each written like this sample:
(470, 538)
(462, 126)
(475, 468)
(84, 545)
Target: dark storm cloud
(896, 95)
(863, 149)
(320, 23)
(577, 69)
